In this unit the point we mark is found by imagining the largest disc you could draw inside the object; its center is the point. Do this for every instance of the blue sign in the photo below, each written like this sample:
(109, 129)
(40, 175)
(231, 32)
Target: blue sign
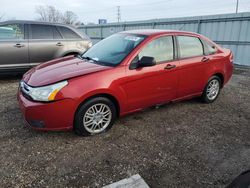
(102, 21)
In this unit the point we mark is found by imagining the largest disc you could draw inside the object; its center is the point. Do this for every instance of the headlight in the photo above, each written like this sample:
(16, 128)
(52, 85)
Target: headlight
(46, 93)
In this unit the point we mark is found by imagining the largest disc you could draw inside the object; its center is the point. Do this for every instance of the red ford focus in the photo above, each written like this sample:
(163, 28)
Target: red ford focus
(123, 73)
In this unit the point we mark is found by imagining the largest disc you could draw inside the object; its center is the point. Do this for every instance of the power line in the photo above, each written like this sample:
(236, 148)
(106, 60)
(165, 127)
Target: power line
(145, 4)
(133, 9)
(152, 11)
(128, 5)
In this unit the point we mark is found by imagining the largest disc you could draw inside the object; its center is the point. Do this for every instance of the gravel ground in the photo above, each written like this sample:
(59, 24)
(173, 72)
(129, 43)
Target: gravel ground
(185, 144)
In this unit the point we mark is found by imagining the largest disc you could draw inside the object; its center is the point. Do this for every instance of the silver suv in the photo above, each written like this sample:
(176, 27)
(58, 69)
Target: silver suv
(24, 44)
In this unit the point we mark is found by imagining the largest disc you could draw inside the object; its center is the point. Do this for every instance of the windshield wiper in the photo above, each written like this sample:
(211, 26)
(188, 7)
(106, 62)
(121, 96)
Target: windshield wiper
(88, 58)
(93, 60)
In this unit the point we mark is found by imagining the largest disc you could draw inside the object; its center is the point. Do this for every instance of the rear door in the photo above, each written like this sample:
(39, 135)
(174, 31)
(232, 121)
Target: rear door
(194, 65)
(72, 40)
(13, 46)
(44, 43)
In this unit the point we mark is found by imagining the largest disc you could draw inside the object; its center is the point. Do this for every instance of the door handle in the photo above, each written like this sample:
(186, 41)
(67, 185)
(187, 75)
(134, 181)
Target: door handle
(59, 44)
(205, 59)
(169, 66)
(18, 45)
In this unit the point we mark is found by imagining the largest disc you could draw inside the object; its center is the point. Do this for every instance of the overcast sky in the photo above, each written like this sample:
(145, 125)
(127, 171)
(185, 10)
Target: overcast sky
(92, 10)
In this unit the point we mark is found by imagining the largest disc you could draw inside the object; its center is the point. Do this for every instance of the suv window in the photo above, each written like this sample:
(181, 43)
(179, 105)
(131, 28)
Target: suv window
(190, 46)
(44, 32)
(11, 31)
(68, 33)
(161, 49)
(56, 33)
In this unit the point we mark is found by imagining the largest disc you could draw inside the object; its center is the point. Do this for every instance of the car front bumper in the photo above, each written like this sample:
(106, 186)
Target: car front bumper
(57, 115)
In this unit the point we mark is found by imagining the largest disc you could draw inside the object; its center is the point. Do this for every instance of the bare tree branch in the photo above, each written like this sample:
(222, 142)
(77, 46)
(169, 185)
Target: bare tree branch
(41, 11)
(1, 17)
(51, 14)
(69, 17)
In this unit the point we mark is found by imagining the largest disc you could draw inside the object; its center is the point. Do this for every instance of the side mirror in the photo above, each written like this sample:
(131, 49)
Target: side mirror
(147, 61)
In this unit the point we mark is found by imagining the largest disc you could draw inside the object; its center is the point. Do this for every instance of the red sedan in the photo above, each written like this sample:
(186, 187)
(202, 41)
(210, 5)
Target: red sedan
(123, 73)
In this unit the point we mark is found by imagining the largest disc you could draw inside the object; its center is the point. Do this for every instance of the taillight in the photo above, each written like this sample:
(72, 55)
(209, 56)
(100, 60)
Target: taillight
(231, 58)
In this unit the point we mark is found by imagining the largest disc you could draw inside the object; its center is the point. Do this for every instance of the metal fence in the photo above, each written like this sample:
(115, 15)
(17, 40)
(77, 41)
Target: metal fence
(229, 30)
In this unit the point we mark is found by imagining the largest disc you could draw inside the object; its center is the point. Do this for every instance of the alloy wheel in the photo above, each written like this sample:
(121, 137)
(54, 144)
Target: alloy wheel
(213, 89)
(97, 118)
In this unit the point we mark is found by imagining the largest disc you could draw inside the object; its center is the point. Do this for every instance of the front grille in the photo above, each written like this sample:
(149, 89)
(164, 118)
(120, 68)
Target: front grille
(27, 96)
(25, 89)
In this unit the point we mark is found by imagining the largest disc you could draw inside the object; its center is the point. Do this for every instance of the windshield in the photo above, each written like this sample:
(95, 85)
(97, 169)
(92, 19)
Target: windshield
(112, 50)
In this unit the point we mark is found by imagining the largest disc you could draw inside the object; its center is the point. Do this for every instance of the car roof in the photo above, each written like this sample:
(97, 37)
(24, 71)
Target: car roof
(32, 22)
(157, 32)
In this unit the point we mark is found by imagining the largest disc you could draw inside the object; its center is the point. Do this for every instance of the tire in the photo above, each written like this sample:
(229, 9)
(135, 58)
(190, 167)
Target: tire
(209, 96)
(95, 116)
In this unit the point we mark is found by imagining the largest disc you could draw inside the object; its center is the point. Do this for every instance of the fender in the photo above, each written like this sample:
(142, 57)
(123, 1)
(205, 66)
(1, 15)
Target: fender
(105, 91)
(71, 52)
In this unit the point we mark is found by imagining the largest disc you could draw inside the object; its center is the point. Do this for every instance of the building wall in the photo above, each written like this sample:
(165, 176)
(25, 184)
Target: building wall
(229, 30)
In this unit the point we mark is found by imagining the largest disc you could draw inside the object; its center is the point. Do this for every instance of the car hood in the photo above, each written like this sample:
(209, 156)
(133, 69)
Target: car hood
(60, 69)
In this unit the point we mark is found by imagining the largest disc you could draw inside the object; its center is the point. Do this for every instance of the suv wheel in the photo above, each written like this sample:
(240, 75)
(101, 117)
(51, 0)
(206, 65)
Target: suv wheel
(95, 116)
(212, 90)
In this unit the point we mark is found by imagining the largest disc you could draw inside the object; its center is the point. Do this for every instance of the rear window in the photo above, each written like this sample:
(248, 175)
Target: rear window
(11, 31)
(68, 33)
(209, 48)
(44, 32)
(190, 46)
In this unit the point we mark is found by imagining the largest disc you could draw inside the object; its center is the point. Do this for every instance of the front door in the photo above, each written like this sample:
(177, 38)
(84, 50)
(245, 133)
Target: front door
(44, 43)
(147, 86)
(13, 47)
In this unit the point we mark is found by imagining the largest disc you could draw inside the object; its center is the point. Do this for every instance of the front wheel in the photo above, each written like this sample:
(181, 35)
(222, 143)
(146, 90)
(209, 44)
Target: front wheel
(212, 90)
(95, 116)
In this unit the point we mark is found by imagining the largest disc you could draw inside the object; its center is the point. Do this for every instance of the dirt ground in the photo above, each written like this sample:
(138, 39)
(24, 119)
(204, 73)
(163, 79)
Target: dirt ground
(185, 144)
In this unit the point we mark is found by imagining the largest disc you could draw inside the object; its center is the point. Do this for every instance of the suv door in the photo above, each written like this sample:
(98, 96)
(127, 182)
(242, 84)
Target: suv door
(194, 66)
(44, 43)
(72, 40)
(157, 84)
(13, 46)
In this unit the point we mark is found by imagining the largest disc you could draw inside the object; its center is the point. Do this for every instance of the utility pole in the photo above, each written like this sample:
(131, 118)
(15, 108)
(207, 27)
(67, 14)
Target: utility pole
(237, 6)
(118, 14)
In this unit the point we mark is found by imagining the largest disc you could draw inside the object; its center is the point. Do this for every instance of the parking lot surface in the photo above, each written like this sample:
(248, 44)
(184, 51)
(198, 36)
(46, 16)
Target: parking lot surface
(184, 144)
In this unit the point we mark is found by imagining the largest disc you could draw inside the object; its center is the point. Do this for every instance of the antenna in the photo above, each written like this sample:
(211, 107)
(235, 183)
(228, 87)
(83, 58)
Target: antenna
(118, 14)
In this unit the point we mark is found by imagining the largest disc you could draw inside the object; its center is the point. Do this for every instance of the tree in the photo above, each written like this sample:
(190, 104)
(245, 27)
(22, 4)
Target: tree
(1, 16)
(69, 17)
(78, 23)
(51, 14)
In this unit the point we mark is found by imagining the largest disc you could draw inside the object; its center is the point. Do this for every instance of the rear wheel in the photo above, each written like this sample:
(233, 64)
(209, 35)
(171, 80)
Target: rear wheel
(212, 90)
(95, 116)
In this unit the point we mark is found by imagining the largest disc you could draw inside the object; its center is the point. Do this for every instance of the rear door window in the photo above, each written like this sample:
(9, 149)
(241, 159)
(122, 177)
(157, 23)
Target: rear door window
(39, 31)
(11, 32)
(56, 33)
(189, 46)
(209, 48)
(68, 33)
